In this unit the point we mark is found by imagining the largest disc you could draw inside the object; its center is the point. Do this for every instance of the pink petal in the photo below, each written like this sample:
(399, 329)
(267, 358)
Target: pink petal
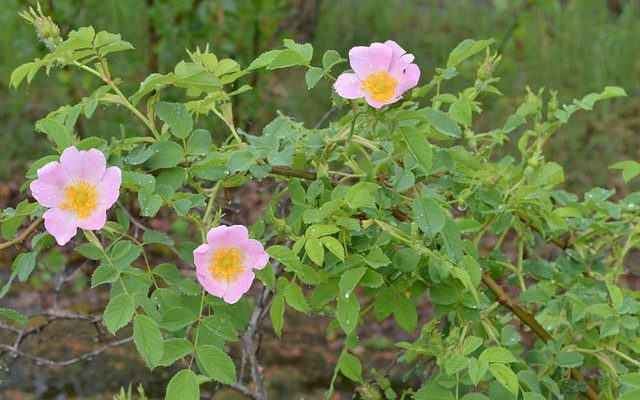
(236, 289)
(377, 104)
(48, 188)
(369, 60)
(95, 221)
(400, 59)
(408, 80)
(61, 224)
(253, 254)
(349, 86)
(88, 166)
(202, 258)
(109, 187)
(227, 236)
(212, 286)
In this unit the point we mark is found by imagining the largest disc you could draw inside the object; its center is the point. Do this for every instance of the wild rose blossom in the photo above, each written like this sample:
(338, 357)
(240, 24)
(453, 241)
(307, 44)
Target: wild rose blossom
(383, 72)
(225, 264)
(78, 191)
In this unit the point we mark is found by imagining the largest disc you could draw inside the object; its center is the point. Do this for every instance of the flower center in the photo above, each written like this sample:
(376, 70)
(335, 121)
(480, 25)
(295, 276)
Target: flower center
(226, 264)
(380, 86)
(81, 198)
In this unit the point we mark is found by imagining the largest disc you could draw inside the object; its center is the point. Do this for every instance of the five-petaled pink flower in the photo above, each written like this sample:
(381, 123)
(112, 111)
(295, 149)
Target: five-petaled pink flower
(383, 72)
(225, 264)
(78, 191)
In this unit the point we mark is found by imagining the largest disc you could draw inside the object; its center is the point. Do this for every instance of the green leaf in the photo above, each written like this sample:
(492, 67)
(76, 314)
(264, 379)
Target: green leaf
(148, 340)
(56, 132)
(287, 58)
(13, 315)
(477, 369)
(314, 250)
(175, 349)
(295, 298)
(312, 76)
(150, 203)
(350, 367)
(105, 273)
(199, 143)
(570, 359)
(177, 318)
(428, 215)
(183, 386)
(276, 314)
(90, 251)
(166, 154)
(441, 122)
(24, 265)
(505, 376)
(118, 312)
(466, 49)
(350, 279)
(195, 76)
(216, 364)
(497, 354)
(347, 312)
(331, 58)
(221, 326)
(176, 116)
(419, 147)
(18, 74)
(318, 230)
(470, 344)
(334, 246)
(630, 169)
(452, 239)
(404, 311)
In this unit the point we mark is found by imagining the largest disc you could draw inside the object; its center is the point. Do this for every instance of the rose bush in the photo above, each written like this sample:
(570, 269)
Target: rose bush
(399, 204)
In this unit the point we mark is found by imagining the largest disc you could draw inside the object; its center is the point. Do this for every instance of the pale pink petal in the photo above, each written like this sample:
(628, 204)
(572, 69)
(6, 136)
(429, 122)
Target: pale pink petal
(253, 254)
(202, 258)
(377, 104)
(408, 80)
(109, 187)
(212, 286)
(48, 188)
(227, 236)
(95, 221)
(88, 166)
(400, 59)
(369, 60)
(349, 86)
(236, 289)
(62, 224)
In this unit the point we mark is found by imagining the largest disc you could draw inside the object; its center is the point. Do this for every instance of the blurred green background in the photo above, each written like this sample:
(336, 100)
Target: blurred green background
(574, 46)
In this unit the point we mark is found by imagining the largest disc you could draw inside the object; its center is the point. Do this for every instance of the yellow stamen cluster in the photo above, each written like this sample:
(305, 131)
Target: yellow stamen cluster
(81, 198)
(380, 86)
(226, 264)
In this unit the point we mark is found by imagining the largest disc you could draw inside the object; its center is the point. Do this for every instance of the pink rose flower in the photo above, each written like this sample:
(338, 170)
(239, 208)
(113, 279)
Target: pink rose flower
(78, 191)
(225, 264)
(382, 73)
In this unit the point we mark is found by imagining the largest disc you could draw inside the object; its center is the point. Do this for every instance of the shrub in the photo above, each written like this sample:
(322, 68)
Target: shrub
(394, 206)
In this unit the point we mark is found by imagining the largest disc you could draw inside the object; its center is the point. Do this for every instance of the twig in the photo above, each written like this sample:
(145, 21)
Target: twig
(46, 361)
(531, 322)
(23, 236)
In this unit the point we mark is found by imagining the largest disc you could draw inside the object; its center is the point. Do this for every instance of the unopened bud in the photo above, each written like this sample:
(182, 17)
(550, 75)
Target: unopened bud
(46, 28)
(485, 70)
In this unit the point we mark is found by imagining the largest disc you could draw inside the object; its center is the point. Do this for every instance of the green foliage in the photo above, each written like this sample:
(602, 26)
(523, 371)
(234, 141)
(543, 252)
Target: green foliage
(389, 210)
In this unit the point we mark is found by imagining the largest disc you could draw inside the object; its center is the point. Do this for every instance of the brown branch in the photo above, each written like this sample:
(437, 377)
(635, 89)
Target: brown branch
(530, 321)
(23, 236)
(14, 350)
